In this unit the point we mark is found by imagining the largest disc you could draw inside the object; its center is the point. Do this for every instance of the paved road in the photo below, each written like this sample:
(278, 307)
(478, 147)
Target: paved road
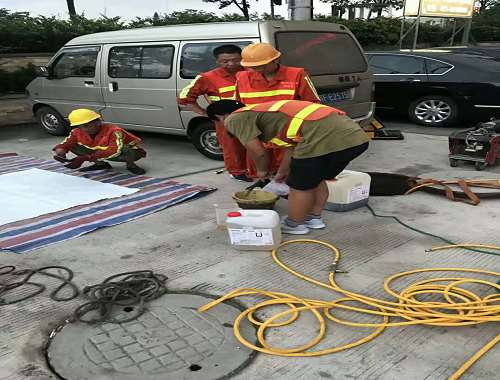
(406, 126)
(168, 156)
(182, 155)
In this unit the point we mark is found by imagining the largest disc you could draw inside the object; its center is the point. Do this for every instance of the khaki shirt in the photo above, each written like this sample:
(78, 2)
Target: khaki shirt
(318, 137)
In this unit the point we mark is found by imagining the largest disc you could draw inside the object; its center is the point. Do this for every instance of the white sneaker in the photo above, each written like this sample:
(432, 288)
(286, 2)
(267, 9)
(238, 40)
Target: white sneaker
(315, 224)
(301, 229)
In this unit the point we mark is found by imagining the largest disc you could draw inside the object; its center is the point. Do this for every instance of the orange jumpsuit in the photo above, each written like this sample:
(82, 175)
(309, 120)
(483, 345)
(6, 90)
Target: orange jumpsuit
(215, 85)
(109, 142)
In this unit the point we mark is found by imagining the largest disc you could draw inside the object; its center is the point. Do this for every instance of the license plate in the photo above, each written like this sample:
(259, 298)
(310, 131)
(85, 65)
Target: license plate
(335, 97)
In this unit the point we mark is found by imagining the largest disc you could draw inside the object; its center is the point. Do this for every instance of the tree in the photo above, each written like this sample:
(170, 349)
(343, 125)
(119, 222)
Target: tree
(375, 6)
(486, 4)
(71, 7)
(241, 4)
(340, 6)
(379, 5)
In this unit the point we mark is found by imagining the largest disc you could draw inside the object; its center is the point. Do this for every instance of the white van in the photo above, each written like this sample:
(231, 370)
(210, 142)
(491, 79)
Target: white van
(132, 77)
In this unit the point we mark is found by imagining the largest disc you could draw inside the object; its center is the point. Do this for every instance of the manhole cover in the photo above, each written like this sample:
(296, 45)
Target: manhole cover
(171, 340)
(453, 174)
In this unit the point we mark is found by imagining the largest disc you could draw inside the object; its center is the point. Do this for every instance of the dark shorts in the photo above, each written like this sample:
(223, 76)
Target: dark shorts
(308, 173)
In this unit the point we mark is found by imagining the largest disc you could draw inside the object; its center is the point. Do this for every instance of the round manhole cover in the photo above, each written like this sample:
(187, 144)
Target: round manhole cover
(171, 340)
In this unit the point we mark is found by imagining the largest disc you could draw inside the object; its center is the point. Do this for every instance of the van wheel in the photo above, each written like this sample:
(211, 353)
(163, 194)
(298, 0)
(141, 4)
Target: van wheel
(52, 121)
(434, 111)
(205, 140)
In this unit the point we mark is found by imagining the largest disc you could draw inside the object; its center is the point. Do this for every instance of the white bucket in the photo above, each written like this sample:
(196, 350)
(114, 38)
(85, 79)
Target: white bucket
(348, 191)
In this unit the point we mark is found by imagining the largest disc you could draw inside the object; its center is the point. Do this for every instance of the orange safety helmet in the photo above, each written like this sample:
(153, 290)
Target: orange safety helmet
(258, 54)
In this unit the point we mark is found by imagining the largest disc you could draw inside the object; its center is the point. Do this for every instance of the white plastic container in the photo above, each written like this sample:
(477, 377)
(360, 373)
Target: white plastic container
(254, 230)
(348, 191)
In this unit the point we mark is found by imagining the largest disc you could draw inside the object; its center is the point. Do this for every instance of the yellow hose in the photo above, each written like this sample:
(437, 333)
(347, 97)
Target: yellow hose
(460, 307)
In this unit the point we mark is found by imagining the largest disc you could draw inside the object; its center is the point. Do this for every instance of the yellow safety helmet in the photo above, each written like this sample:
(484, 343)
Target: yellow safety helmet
(259, 54)
(82, 116)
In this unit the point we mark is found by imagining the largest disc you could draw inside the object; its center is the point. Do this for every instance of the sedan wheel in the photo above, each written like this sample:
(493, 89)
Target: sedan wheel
(433, 111)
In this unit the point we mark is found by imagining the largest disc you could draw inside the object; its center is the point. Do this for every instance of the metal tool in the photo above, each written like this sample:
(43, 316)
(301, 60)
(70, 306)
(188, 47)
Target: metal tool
(333, 268)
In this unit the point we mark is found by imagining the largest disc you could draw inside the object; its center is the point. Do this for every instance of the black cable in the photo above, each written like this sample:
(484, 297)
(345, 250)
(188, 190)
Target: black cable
(192, 173)
(427, 233)
(128, 291)
(40, 288)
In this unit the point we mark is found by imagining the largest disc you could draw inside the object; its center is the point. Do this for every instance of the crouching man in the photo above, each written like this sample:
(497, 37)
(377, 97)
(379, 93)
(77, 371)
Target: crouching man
(320, 141)
(94, 141)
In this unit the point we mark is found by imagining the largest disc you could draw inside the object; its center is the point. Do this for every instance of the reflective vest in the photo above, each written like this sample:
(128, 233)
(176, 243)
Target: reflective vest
(298, 111)
(281, 90)
(224, 85)
(215, 85)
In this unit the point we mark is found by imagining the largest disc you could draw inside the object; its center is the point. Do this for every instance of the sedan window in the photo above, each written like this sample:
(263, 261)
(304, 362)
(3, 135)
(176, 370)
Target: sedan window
(396, 64)
(437, 67)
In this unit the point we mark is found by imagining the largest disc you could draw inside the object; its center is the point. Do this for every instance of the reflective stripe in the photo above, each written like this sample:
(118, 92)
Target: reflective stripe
(247, 108)
(185, 91)
(298, 119)
(119, 145)
(276, 141)
(97, 147)
(311, 85)
(263, 94)
(227, 89)
(276, 106)
(213, 98)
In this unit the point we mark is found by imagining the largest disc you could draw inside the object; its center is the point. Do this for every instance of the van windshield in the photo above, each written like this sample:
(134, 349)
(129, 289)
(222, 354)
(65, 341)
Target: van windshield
(321, 53)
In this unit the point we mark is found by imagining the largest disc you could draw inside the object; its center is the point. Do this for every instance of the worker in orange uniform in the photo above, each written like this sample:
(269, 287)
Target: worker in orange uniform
(215, 85)
(266, 80)
(94, 141)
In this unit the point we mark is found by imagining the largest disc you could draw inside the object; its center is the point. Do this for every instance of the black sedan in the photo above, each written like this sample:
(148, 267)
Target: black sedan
(438, 88)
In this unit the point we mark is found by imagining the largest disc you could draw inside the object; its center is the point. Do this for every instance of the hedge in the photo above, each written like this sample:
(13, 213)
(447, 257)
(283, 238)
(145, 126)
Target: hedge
(22, 33)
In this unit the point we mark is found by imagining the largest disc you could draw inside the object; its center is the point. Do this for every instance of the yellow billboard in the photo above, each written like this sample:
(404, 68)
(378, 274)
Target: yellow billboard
(439, 8)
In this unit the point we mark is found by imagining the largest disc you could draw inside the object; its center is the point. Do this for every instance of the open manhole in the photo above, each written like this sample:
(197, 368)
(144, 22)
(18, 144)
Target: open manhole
(390, 183)
(384, 184)
(171, 340)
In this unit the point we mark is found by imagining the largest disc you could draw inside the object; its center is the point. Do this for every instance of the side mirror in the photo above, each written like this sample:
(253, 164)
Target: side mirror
(42, 71)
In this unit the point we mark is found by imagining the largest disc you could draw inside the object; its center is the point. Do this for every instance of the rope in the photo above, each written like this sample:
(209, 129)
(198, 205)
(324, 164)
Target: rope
(25, 282)
(458, 307)
(129, 291)
(465, 185)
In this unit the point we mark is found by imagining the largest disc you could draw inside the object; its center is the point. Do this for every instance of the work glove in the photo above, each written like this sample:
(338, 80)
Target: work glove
(78, 161)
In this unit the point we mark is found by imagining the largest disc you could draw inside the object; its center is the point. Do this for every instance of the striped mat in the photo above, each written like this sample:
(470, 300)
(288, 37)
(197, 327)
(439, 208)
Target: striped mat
(156, 194)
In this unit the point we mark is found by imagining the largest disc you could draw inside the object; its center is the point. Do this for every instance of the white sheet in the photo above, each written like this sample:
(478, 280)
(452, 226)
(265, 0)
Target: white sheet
(34, 192)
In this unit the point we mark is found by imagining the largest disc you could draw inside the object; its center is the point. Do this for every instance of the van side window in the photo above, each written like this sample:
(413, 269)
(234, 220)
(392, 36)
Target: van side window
(198, 57)
(79, 62)
(141, 62)
(321, 53)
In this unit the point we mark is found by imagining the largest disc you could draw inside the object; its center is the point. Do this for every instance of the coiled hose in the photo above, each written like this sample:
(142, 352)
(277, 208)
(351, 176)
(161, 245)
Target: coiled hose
(459, 307)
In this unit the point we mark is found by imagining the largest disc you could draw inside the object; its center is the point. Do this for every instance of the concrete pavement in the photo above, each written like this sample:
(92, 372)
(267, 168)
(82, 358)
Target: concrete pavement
(183, 243)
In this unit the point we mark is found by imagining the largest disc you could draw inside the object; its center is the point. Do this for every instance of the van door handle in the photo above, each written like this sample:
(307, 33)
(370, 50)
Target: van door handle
(410, 80)
(89, 83)
(113, 86)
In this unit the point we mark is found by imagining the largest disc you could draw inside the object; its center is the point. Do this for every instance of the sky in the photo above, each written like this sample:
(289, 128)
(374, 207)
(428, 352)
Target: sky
(129, 9)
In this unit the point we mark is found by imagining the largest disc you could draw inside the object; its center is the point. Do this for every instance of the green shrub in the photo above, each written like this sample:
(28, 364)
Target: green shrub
(16, 81)
(20, 32)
